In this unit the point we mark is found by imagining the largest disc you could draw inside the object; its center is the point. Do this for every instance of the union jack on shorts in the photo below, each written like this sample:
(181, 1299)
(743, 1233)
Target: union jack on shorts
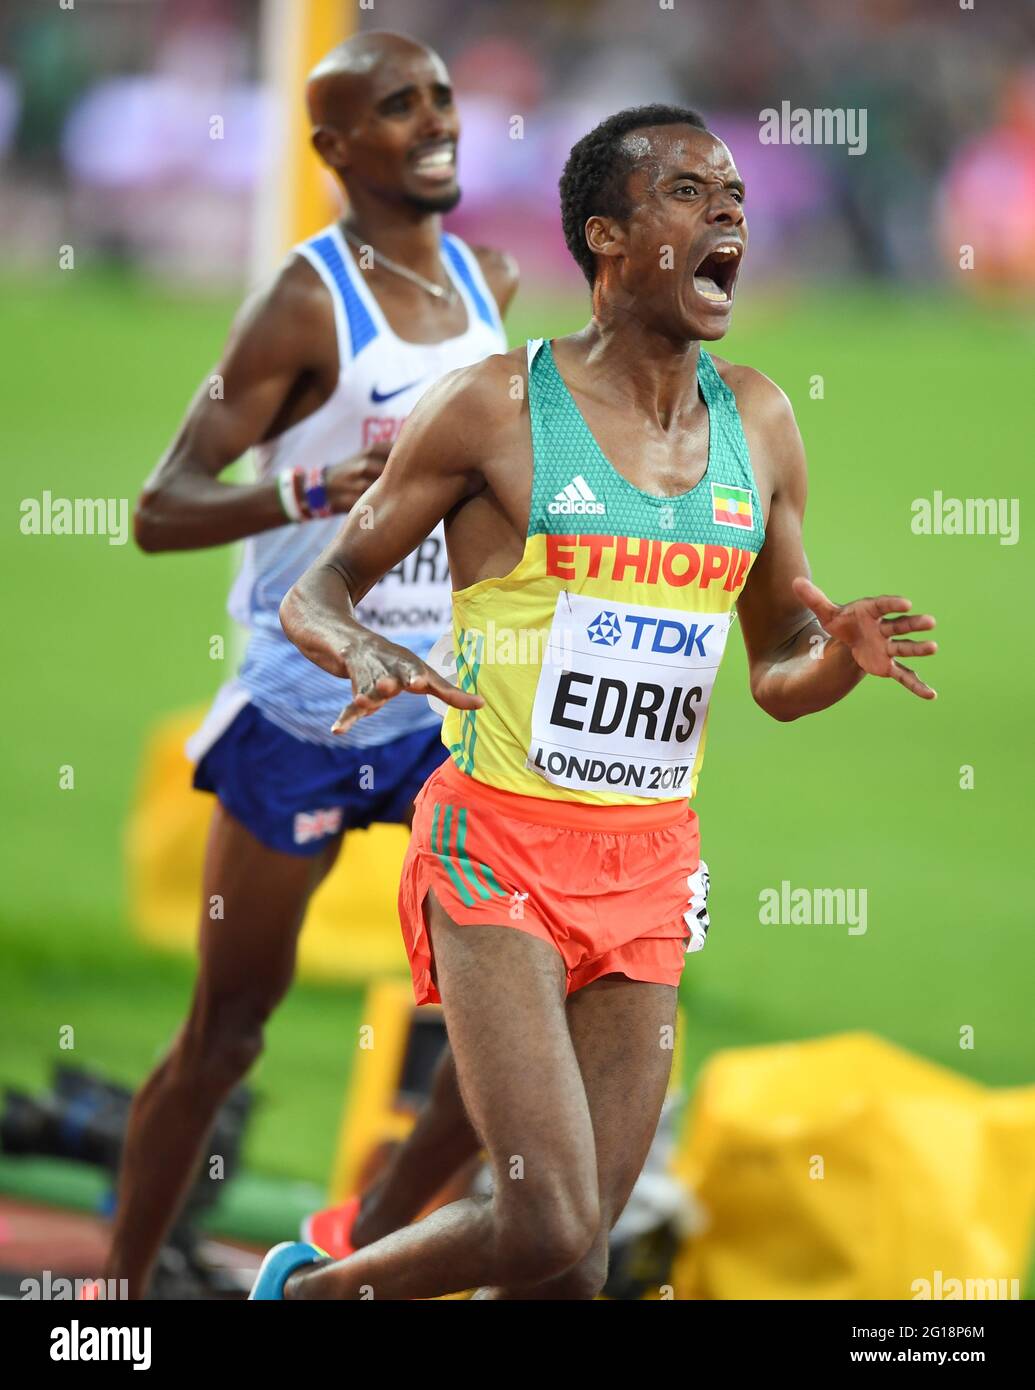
(314, 825)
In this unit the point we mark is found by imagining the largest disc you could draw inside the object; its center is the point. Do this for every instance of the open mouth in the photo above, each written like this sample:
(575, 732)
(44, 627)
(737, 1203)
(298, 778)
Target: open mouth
(716, 275)
(437, 162)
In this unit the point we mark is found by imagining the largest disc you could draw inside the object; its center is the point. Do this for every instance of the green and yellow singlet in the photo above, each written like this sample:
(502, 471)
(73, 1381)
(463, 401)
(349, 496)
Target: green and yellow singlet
(596, 655)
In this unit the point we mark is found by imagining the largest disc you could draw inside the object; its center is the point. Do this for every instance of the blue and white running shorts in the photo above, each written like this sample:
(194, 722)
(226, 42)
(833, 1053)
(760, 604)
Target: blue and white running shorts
(295, 796)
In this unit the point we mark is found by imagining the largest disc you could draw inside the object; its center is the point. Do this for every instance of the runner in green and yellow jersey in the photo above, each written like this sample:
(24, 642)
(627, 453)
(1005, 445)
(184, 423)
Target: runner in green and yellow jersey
(608, 498)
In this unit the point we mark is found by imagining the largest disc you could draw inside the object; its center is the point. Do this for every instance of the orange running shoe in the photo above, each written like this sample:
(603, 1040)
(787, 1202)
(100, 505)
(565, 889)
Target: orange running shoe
(331, 1229)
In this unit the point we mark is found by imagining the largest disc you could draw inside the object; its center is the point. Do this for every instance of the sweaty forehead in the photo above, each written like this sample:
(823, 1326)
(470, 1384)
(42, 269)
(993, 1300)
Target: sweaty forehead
(661, 152)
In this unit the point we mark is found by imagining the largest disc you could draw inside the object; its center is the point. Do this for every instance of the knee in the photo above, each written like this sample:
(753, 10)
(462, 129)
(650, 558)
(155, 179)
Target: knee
(540, 1240)
(585, 1280)
(222, 1041)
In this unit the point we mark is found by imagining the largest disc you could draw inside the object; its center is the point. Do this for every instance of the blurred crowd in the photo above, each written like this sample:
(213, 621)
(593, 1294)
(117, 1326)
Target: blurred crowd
(107, 123)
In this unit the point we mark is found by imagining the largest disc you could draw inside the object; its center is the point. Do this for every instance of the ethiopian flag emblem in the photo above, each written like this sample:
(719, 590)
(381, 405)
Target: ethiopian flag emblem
(731, 506)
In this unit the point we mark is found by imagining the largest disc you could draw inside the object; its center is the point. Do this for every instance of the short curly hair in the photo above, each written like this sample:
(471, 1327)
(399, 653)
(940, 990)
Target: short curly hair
(593, 183)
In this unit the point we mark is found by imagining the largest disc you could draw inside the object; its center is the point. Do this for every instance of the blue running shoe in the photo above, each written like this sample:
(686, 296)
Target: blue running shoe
(280, 1262)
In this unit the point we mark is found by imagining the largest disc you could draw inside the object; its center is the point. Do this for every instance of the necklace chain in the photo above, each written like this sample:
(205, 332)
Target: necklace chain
(437, 291)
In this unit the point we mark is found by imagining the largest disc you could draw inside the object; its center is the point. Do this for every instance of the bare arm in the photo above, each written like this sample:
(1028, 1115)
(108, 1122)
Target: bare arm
(436, 462)
(501, 274)
(799, 664)
(282, 343)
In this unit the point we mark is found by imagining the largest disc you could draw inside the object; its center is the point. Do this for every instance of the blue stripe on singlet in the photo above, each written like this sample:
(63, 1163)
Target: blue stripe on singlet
(459, 263)
(362, 329)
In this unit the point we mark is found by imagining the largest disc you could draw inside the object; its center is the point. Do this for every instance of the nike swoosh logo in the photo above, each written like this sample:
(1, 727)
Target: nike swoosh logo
(377, 396)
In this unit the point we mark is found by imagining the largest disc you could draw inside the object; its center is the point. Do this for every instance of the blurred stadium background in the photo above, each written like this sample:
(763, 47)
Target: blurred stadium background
(854, 276)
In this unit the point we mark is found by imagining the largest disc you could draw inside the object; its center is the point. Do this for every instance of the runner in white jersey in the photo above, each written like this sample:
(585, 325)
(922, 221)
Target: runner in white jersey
(320, 371)
(381, 377)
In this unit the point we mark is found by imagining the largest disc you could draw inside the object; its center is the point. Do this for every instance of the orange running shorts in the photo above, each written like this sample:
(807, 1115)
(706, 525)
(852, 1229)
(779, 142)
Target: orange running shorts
(614, 889)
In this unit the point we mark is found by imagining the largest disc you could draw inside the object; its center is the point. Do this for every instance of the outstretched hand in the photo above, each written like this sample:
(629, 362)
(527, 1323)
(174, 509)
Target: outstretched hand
(871, 636)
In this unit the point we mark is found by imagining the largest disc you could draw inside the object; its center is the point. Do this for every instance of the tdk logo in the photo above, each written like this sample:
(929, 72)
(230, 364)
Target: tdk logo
(605, 629)
(576, 499)
(662, 635)
(668, 636)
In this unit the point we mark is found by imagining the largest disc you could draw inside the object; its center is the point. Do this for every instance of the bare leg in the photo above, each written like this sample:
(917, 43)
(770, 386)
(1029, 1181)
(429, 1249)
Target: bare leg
(621, 1030)
(440, 1141)
(503, 994)
(247, 962)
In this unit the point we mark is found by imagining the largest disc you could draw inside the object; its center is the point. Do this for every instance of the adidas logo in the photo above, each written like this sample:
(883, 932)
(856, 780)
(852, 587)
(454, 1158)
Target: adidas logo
(576, 499)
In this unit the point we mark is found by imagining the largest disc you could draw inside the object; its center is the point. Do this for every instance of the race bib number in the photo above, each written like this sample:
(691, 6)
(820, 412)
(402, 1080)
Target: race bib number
(622, 696)
(415, 598)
